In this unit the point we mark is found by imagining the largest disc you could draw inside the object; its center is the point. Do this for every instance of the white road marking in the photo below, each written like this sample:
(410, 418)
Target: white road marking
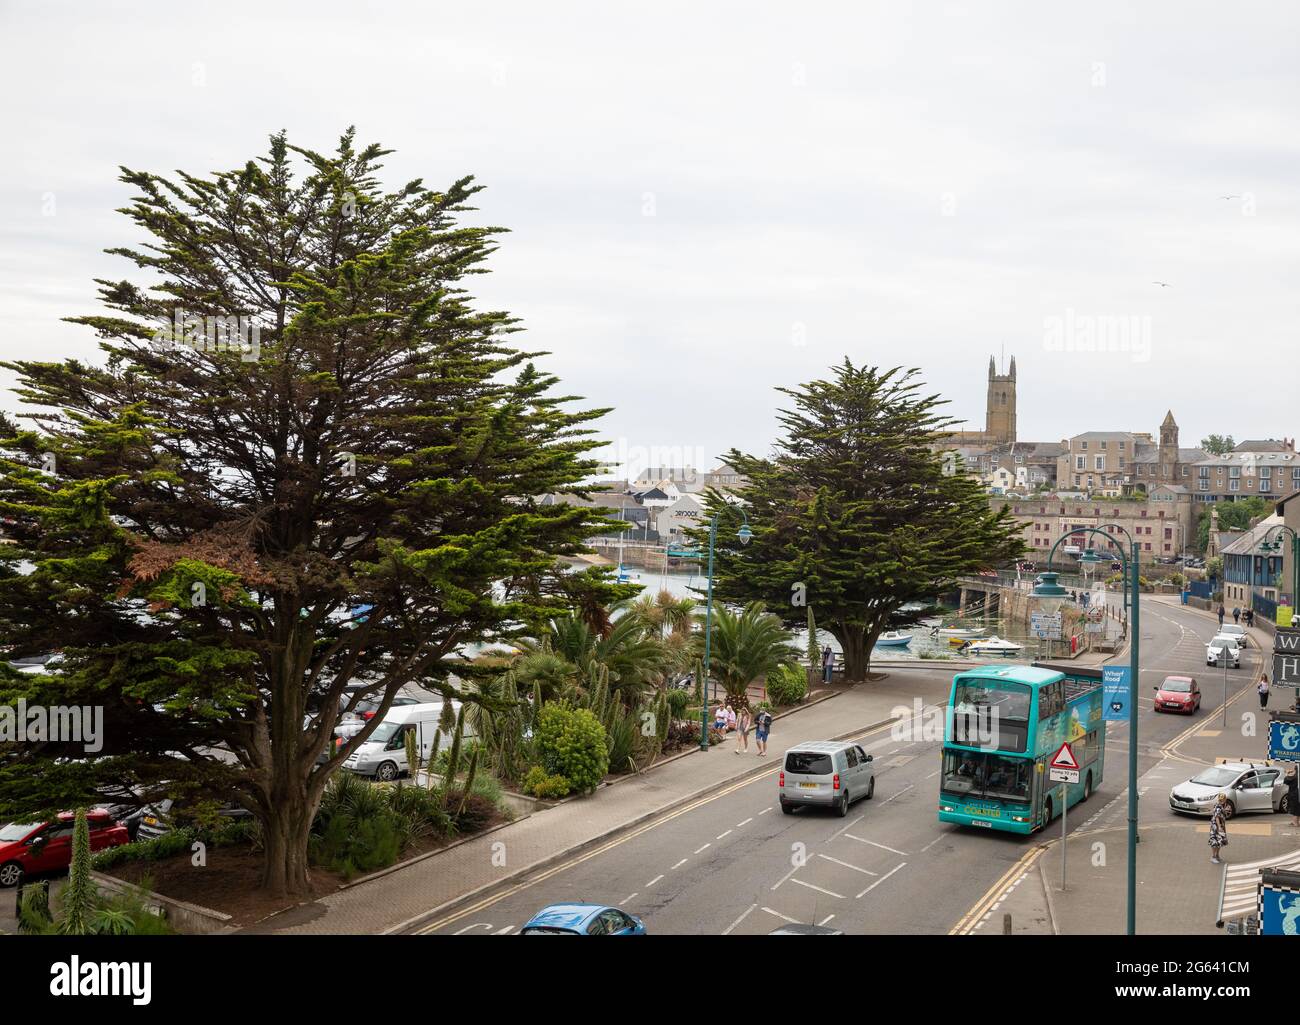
(510, 928)
(739, 824)
(879, 881)
(628, 898)
(705, 847)
(781, 916)
(679, 864)
(843, 828)
(733, 925)
(933, 774)
(873, 843)
(864, 871)
(653, 881)
(476, 925)
(900, 793)
(826, 919)
(829, 893)
(786, 876)
(932, 843)
(765, 811)
(721, 835)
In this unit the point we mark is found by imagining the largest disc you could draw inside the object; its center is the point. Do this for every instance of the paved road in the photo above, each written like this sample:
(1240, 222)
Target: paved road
(732, 863)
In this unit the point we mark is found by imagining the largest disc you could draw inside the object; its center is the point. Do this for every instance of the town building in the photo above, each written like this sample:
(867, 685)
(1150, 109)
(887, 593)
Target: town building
(1249, 572)
(1160, 522)
(1270, 469)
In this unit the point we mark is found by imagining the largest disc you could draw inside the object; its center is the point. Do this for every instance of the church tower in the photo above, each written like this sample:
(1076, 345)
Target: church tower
(1168, 449)
(1000, 408)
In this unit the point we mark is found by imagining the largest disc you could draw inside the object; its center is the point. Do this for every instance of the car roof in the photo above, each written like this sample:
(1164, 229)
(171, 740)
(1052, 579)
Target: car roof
(565, 916)
(821, 746)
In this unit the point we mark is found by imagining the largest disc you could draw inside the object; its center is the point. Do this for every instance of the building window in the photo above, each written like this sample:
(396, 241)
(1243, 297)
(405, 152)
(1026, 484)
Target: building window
(1103, 446)
(1203, 485)
(1203, 472)
(1234, 485)
(1234, 471)
(1265, 484)
(1099, 462)
(1083, 445)
(1079, 462)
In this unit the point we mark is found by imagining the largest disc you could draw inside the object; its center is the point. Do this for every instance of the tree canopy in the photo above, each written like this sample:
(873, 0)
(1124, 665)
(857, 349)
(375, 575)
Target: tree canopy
(307, 460)
(853, 514)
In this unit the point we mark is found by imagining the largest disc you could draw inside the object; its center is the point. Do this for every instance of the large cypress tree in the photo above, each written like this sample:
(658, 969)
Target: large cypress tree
(855, 506)
(202, 517)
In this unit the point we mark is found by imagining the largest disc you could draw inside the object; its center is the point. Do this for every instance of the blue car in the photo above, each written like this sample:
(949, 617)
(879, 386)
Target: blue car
(582, 920)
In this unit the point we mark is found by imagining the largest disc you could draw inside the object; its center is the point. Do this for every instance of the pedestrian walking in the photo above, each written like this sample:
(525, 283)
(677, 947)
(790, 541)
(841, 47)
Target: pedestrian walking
(1221, 615)
(1250, 617)
(762, 728)
(1218, 828)
(1262, 690)
(1293, 795)
(828, 664)
(743, 723)
(1236, 614)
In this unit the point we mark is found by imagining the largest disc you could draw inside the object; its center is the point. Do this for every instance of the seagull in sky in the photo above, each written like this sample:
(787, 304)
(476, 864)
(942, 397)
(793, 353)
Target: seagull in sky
(1162, 284)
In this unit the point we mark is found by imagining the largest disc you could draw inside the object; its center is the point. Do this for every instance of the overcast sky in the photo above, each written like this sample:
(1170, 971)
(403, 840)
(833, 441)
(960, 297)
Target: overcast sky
(710, 200)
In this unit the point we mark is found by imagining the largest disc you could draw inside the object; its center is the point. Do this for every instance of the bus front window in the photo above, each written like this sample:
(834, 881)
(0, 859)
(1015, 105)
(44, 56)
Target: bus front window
(990, 714)
(976, 774)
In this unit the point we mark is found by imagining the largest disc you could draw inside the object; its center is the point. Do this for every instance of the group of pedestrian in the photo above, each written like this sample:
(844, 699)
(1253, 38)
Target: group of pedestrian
(1219, 816)
(1238, 614)
(727, 720)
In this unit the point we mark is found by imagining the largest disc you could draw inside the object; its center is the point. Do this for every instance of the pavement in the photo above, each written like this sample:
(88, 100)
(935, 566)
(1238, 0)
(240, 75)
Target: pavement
(1178, 888)
(404, 897)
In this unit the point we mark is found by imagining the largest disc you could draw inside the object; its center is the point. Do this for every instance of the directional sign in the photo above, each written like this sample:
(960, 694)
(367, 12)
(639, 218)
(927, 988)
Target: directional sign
(1284, 741)
(1045, 627)
(1063, 775)
(1064, 758)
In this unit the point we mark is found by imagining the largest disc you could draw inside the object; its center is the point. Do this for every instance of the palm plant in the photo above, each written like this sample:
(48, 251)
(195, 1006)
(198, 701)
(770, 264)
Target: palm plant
(746, 646)
(567, 654)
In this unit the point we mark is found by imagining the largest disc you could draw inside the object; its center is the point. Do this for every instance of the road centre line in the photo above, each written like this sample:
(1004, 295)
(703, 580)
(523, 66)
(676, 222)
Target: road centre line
(781, 916)
(727, 930)
(721, 835)
(653, 881)
(704, 848)
(900, 793)
(679, 864)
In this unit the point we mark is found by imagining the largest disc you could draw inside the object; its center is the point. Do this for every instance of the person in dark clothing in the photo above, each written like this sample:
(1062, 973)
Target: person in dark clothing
(1293, 796)
(1250, 617)
(828, 664)
(1236, 614)
(1221, 613)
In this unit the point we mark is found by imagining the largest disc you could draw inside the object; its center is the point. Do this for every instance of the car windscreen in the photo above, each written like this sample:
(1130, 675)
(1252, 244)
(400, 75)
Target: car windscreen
(542, 930)
(809, 763)
(1176, 687)
(16, 831)
(1216, 777)
(384, 732)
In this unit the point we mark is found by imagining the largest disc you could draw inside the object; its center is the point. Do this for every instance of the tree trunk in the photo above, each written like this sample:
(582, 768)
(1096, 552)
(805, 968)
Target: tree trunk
(856, 658)
(286, 833)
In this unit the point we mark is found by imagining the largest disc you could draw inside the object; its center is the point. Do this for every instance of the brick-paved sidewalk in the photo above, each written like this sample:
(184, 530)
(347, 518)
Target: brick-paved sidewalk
(383, 903)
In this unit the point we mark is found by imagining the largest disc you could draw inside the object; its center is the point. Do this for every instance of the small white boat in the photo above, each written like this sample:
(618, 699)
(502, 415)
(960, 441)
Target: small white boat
(994, 645)
(960, 631)
(893, 639)
(627, 576)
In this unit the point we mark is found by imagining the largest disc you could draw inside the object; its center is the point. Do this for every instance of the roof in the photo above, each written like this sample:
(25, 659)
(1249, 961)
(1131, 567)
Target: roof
(1169, 421)
(1252, 458)
(1262, 445)
(565, 916)
(1101, 435)
(1250, 539)
(1031, 675)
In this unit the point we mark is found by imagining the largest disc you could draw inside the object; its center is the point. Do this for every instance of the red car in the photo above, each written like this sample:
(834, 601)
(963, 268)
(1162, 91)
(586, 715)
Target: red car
(28, 848)
(1178, 694)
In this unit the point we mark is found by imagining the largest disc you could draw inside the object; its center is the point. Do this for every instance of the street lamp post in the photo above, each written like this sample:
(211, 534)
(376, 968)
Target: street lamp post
(1276, 546)
(1049, 589)
(743, 535)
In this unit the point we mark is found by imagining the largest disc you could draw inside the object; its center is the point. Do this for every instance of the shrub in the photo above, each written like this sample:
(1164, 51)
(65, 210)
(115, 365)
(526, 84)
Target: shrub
(677, 702)
(540, 784)
(474, 811)
(572, 744)
(787, 685)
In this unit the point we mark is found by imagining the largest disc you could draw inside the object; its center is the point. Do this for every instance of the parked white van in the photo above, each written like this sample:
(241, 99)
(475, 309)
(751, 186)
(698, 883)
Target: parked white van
(383, 755)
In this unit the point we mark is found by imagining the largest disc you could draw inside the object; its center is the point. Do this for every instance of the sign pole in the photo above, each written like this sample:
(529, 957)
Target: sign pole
(1065, 804)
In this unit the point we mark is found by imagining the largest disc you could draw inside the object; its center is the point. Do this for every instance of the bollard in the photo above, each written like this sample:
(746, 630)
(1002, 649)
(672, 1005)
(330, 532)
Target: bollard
(1006, 924)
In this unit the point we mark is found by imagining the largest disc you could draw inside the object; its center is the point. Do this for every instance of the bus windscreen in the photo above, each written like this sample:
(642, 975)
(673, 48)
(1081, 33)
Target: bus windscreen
(976, 774)
(991, 714)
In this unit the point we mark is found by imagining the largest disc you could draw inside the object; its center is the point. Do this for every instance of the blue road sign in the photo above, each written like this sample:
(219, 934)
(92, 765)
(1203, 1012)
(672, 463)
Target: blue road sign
(1279, 911)
(1284, 741)
(1116, 692)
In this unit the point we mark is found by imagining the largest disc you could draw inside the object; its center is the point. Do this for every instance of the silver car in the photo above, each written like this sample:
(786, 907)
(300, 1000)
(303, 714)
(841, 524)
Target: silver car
(831, 773)
(1250, 787)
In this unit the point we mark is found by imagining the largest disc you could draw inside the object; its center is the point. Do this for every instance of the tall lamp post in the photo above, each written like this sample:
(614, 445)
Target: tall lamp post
(743, 535)
(1276, 546)
(1049, 590)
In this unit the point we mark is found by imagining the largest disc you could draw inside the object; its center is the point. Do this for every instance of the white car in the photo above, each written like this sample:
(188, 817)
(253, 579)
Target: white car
(1249, 786)
(1223, 644)
(1234, 630)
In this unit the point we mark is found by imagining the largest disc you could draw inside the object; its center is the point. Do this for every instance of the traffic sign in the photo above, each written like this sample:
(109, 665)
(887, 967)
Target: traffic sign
(1063, 775)
(1116, 693)
(1064, 759)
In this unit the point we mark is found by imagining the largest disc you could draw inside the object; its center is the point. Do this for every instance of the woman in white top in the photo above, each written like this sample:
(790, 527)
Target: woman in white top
(1263, 691)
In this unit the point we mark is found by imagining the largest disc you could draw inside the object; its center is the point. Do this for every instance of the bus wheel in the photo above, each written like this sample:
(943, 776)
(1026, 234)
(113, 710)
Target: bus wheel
(1047, 811)
(1087, 788)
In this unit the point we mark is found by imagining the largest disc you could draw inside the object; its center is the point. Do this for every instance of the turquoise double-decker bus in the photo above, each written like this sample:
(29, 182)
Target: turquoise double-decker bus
(1003, 725)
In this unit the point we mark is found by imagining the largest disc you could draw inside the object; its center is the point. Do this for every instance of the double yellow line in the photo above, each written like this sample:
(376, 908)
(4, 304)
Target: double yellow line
(968, 921)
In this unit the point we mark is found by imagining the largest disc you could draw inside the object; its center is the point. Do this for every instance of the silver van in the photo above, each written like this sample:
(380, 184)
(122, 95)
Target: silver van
(832, 773)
